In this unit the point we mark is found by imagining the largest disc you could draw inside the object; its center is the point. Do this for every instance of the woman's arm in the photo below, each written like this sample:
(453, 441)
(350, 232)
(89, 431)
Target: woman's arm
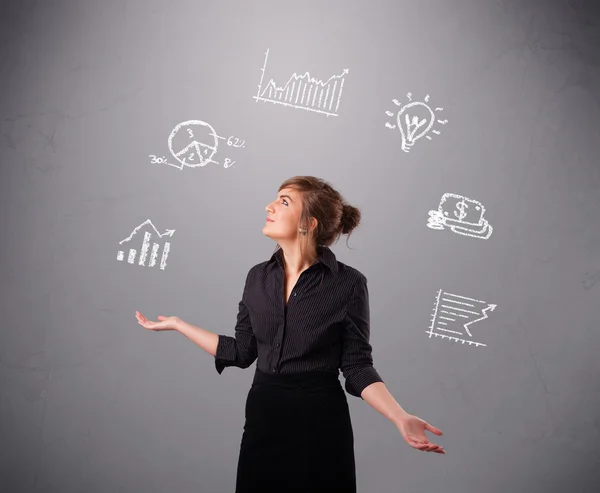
(412, 428)
(379, 398)
(203, 338)
(240, 350)
(357, 362)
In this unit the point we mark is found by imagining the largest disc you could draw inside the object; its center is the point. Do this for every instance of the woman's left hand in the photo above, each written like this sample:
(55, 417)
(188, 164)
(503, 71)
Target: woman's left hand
(412, 429)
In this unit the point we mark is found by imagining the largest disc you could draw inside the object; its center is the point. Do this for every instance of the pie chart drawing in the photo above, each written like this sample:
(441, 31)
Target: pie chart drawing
(193, 143)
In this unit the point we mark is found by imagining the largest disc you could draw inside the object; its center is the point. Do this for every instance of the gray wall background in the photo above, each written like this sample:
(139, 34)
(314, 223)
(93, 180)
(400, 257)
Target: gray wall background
(91, 402)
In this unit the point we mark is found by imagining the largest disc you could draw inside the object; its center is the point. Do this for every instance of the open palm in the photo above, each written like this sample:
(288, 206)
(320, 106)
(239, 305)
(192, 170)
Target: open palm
(412, 429)
(164, 323)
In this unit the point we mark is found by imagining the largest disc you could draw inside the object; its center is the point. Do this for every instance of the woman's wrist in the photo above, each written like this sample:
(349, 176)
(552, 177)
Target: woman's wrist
(179, 324)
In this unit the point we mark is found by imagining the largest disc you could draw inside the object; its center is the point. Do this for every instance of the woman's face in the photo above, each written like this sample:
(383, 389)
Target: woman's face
(283, 216)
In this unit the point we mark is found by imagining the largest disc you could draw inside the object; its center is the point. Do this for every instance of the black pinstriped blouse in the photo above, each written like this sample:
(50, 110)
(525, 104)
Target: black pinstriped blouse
(324, 326)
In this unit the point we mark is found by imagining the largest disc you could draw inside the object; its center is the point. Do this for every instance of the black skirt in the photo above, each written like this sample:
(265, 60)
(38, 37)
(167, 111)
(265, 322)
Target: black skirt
(297, 436)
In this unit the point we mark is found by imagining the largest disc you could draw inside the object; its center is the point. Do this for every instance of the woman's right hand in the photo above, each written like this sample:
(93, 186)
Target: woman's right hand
(164, 323)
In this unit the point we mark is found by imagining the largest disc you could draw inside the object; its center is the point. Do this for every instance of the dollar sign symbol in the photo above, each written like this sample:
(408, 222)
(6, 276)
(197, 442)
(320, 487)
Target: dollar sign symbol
(461, 206)
(190, 132)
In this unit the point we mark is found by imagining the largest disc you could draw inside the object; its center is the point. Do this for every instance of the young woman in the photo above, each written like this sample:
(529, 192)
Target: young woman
(303, 316)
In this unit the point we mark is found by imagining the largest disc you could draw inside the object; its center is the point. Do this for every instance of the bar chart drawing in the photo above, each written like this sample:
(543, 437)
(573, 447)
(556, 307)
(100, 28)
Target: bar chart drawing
(161, 247)
(452, 315)
(304, 92)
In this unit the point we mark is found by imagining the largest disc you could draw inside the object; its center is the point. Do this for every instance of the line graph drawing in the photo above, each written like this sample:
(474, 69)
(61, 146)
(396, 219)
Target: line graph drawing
(149, 230)
(452, 315)
(304, 92)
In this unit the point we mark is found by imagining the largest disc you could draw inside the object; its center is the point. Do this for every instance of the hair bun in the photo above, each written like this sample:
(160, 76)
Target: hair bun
(350, 218)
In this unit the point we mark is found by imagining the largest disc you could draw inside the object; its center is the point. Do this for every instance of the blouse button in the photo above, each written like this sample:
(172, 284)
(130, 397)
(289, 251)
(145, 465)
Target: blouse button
(294, 293)
(277, 344)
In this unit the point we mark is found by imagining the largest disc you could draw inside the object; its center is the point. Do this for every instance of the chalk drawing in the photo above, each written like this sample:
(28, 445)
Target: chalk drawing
(194, 143)
(408, 126)
(304, 92)
(452, 315)
(461, 215)
(148, 229)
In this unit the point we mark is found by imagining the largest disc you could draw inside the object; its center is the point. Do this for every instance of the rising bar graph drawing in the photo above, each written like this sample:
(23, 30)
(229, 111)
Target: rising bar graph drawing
(145, 246)
(304, 92)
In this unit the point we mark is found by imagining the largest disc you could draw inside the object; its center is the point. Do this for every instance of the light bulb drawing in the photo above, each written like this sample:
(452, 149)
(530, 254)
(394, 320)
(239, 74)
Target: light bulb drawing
(409, 124)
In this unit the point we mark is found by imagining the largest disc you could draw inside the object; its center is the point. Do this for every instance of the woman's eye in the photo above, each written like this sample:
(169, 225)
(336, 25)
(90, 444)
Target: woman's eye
(284, 201)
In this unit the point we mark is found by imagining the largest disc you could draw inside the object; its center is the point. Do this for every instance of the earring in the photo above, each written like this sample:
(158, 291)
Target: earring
(303, 231)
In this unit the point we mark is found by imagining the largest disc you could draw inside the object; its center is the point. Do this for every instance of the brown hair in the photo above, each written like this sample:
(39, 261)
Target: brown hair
(333, 214)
